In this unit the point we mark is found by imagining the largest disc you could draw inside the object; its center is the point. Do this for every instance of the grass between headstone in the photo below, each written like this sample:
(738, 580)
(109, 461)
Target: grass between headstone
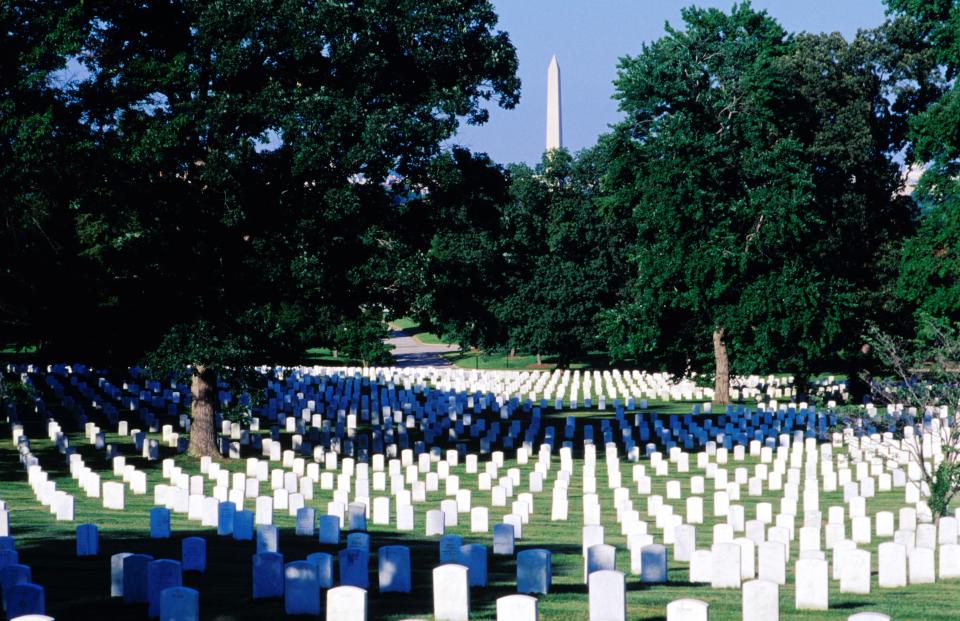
(79, 588)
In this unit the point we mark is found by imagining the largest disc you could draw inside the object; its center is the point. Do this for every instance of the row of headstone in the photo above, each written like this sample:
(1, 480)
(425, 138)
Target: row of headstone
(517, 528)
(178, 393)
(21, 597)
(59, 502)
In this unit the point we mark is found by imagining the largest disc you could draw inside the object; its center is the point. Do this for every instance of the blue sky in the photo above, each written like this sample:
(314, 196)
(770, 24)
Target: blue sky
(588, 37)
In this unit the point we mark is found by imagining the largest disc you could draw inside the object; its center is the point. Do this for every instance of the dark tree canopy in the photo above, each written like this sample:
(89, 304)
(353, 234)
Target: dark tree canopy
(930, 278)
(216, 177)
(233, 181)
(465, 262)
(757, 169)
(43, 276)
(222, 163)
(564, 255)
(520, 259)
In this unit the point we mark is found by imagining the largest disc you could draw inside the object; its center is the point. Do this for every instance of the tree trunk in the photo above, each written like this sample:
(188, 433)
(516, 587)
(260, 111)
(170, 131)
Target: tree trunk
(203, 432)
(801, 384)
(721, 381)
(858, 376)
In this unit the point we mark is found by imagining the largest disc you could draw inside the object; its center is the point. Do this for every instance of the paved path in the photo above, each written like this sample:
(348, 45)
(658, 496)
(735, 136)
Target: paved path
(409, 352)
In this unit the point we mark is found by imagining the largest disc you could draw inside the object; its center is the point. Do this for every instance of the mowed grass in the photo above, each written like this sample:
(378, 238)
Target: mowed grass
(490, 361)
(412, 328)
(79, 588)
(324, 356)
(496, 360)
(499, 361)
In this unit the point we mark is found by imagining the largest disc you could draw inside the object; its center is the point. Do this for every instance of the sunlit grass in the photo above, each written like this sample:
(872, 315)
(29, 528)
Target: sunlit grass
(79, 588)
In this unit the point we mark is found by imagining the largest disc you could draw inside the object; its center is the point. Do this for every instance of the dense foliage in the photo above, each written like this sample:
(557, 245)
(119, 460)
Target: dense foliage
(564, 256)
(524, 258)
(463, 265)
(758, 168)
(214, 176)
(930, 280)
(223, 183)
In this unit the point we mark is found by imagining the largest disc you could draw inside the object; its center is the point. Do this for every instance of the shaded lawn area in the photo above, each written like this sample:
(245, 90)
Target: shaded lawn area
(323, 356)
(412, 328)
(504, 361)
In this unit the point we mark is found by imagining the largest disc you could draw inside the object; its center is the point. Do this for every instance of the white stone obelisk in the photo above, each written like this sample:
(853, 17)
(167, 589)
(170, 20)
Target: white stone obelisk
(554, 132)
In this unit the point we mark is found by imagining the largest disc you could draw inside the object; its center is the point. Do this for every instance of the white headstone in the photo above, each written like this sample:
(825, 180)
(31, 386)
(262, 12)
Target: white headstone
(772, 562)
(347, 603)
(687, 610)
(726, 571)
(855, 572)
(434, 522)
(517, 608)
(892, 565)
(685, 541)
(607, 596)
(949, 560)
(921, 566)
(868, 616)
(812, 591)
(761, 600)
(701, 566)
(451, 593)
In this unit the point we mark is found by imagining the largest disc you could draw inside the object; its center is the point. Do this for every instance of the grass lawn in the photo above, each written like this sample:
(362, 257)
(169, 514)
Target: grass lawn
(324, 357)
(480, 360)
(79, 588)
(503, 361)
(473, 359)
(412, 328)
(10, 349)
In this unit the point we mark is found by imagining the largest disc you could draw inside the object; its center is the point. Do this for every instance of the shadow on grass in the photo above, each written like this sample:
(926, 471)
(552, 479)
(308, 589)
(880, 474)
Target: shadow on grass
(79, 588)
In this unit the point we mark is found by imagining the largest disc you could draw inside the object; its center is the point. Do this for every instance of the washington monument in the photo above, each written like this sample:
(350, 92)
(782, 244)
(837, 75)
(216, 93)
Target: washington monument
(554, 131)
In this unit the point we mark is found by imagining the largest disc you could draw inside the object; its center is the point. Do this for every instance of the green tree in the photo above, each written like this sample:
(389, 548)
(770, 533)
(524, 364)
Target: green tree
(229, 180)
(563, 256)
(42, 278)
(930, 278)
(462, 270)
(752, 162)
(521, 259)
(361, 338)
(853, 102)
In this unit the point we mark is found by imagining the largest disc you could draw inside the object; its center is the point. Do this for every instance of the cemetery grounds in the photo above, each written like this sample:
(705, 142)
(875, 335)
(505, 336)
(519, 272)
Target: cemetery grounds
(79, 588)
